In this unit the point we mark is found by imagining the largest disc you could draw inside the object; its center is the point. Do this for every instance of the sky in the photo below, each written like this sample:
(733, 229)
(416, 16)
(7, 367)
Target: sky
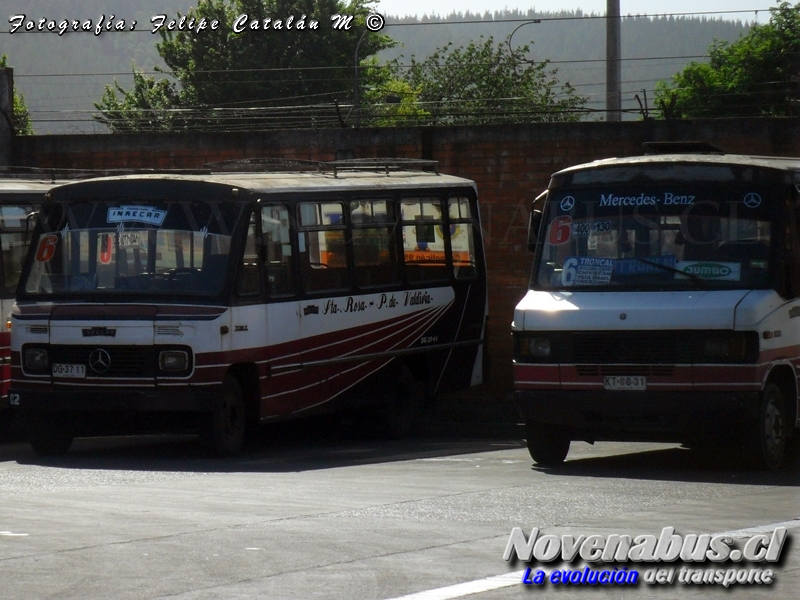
(655, 7)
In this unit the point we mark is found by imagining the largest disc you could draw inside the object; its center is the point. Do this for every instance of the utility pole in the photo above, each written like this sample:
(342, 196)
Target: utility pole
(6, 114)
(357, 83)
(613, 62)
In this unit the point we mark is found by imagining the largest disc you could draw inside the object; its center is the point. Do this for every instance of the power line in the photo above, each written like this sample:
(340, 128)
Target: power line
(246, 112)
(300, 70)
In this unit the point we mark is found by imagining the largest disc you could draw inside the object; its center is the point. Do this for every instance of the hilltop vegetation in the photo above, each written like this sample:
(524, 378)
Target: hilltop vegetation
(62, 77)
(576, 46)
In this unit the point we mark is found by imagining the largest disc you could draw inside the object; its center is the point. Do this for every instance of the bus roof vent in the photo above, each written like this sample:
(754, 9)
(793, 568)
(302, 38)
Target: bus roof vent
(385, 165)
(685, 147)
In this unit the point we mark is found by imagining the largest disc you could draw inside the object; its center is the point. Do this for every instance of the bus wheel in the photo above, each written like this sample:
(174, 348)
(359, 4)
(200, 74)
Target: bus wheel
(48, 434)
(6, 420)
(403, 405)
(548, 444)
(770, 430)
(224, 427)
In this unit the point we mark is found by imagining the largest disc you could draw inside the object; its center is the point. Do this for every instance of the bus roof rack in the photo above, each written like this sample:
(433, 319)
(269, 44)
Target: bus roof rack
(683, 147)
(387, 165)
(263, 164)
(58, 173)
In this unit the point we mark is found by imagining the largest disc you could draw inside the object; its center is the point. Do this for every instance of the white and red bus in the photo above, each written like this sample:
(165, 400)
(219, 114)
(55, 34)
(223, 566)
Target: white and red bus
(240, 298)
(663, 305)
(20, 197)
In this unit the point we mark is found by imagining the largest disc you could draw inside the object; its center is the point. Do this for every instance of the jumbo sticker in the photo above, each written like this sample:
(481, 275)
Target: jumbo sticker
(721, 271)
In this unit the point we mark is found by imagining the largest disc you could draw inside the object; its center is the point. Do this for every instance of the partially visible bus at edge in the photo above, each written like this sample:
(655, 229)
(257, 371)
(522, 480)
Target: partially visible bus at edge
(241, 298)
(663, 306)
(19, 199)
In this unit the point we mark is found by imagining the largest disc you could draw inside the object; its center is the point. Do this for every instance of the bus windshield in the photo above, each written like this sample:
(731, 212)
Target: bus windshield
(15, 222)
(657, 236)
(110, 248)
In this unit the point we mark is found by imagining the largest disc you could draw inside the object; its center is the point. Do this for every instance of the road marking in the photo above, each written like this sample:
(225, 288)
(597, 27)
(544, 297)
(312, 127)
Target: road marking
(496, 582)
(11, 534)
(466, 589)
(741, 533)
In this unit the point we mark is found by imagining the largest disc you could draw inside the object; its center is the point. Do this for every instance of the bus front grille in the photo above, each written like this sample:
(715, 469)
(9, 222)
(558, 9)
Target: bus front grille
(122, 361)
(629, 370)
(652, 348)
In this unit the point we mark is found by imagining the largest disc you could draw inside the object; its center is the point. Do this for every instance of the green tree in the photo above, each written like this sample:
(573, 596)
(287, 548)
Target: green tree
(21, 117)
(152, 105)
(388, 100)
(265, 54)
(489, 83)
(755, 76)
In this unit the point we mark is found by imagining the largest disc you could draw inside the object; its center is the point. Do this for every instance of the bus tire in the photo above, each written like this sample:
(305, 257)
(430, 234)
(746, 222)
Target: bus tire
(6, 420)
(548, 444)
(48, 434)
(224, 427)
(770, 431)
(403, 404)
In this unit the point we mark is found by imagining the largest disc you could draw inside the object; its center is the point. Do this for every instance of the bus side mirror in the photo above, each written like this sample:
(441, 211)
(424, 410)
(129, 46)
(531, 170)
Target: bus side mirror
(534, 222)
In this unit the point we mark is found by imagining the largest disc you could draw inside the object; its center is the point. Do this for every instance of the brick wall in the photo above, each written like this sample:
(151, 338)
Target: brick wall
(510, 164)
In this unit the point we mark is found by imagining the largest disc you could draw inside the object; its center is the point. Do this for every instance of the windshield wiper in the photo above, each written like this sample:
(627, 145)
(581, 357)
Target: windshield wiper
(694, 277)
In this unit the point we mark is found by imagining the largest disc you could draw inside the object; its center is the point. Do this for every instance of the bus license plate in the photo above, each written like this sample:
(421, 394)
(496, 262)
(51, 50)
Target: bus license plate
(71, 371)
(625, 382)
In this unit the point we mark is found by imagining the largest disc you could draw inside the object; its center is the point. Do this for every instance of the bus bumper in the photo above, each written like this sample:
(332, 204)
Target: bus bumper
(638, 416)
(117, 400)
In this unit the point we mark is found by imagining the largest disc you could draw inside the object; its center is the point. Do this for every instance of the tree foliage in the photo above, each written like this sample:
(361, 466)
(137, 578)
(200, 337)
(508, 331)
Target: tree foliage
(152, 105)
(21, 118)
(754, 76)
(486, 82)
(260, 76)
(388, 100)
(231, 76)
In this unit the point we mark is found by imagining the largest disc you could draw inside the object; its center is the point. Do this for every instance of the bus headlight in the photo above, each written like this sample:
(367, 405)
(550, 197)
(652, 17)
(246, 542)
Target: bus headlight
(534, 349)
(738, 347)
(539, 347)
(35, 359)
(173, 360)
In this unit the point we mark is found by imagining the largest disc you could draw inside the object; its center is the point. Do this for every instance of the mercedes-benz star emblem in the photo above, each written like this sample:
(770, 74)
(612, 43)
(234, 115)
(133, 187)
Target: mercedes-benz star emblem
(99, 361)
(752, 200)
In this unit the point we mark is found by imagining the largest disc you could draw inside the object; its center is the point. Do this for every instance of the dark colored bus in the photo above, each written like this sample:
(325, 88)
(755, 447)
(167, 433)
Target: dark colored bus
(241, 298)
(19, 199)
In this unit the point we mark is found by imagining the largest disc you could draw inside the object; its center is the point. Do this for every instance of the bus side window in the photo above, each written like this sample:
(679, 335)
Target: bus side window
(323, 254)
(15, 230)
(461, 238)
(374, 247)
(278, 250)
(249, 281)
(423, 242)
(13, 247)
